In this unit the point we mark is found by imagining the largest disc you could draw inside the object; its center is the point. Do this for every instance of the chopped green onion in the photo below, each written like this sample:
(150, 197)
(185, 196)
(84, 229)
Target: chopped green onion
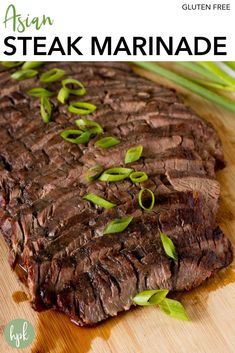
(70, 81)
(46, 109)
(115, 174)
(133, 154)
(40, 92)
(150, 297)
(63, 95)
(138, 177)
(94, 172)
(174, 309)
(186, 83)
(97, 200)
(140, 199)
(107, 142)
(83, 124)
(52, 75)
(83, 136)
(23, 74)
(82, 108)
(32, 65)
(118, 225)
(11, 64)
(168, 246)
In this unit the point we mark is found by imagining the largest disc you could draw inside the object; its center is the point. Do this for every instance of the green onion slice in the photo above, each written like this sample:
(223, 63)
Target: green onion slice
(141, 201)
(90, 125)
(40, 92)
(133, 154)
(52, 75)
(97, 200)
(82, 108)
(94, 172)
(70, 136)
(138, 177)
(80, 91)
(174, 309)
(115, 174)
(11, 64)
(107, 142)
(63, 95)
(168, 246)
(118, 225)
(32, 64)
(45, 109)
(150, 297)
(23, 74)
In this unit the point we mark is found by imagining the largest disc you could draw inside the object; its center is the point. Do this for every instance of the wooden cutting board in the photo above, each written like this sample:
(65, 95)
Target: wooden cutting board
(211, 307)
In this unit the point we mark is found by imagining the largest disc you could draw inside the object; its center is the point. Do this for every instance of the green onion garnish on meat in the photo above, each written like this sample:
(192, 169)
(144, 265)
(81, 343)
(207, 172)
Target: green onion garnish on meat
(118, 225)
(138, 177)
(11, 64)
(78, 91)
(133, 154)
(45, 109)
(89, 125)
(146, 197)
(168, 246)
(94, 172)
(115, 174)
(107, 142)
(40, 92)
(23, 74)
(81, 108)
(76, 136)
(97, 200)
(32, 65)
(52, 75)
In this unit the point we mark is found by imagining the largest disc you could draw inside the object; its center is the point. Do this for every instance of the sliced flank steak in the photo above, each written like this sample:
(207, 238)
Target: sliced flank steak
(57, 236)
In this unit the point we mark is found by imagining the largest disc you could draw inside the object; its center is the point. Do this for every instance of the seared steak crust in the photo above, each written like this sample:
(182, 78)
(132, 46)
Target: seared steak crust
(57, 236)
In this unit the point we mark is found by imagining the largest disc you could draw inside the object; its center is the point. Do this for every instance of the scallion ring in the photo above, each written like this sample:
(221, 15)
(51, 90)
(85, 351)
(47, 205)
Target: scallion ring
(141, 201)
(94, 172)
(90, 125)
(23, 74)
(32, 64)
(117, 225)
(168, 246)
(133, 154)
(45, 109)
(138, 177)
(40, 92)
(97, 200)
(81, 108)
(115, 174)
(150, 297)
(70, 136)
(63, 95)
(80, 91)
(52, 75)
(107, 142)
(11, 64)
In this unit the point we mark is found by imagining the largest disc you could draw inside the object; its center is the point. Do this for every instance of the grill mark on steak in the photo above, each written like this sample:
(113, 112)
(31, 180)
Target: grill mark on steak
(58, 236)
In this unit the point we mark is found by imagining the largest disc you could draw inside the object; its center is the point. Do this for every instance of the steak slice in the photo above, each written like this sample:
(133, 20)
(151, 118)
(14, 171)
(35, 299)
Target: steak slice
(58, 237)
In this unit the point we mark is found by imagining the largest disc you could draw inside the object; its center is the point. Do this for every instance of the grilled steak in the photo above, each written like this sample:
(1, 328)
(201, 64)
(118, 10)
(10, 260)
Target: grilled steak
(57, 236)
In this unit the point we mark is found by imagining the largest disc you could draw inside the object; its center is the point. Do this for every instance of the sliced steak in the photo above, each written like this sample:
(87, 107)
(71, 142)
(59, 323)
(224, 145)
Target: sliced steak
(57, 236)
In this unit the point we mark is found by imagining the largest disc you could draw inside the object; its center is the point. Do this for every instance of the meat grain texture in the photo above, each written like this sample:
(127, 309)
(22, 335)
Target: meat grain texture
(57, 236)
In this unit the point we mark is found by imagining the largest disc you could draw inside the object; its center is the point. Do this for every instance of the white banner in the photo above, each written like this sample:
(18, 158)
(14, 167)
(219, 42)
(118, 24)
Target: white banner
(130, 30)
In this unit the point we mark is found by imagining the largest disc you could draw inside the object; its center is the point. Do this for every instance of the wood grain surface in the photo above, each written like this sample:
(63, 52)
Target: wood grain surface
(211, 307)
